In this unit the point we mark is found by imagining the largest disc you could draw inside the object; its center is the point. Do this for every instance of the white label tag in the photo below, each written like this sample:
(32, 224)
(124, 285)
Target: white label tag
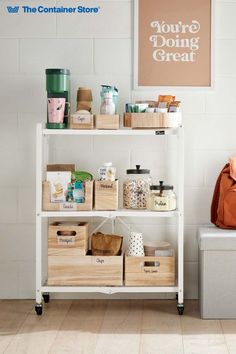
(68, 206)
(66, 240)
(161, 203)
(81, 119)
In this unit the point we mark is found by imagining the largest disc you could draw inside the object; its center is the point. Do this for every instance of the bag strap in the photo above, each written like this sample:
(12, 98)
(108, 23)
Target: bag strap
(216, 197)
(232, 164)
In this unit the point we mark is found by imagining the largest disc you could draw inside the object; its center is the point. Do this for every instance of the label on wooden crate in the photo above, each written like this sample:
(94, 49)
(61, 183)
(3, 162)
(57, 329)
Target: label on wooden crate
(68, 206)
(100, 260)
(66, 240)
(81, 118)
(107, 186)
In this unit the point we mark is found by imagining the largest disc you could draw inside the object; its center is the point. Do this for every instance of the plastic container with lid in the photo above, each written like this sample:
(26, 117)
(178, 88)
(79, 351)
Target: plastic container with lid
(136, 188)
(161, 197)
(107, 172)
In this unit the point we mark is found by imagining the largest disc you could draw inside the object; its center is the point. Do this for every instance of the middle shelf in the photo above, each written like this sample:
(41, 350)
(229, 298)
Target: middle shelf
(111, 214)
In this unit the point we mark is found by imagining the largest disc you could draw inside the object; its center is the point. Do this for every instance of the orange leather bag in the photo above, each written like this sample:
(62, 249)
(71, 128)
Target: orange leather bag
(223, 206)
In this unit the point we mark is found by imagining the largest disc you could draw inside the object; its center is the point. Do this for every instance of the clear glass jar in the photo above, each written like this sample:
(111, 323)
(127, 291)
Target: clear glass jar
(136, 188)
(161, 198)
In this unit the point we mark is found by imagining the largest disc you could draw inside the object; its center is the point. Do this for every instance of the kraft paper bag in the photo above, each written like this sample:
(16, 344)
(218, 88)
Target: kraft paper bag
(106, 245)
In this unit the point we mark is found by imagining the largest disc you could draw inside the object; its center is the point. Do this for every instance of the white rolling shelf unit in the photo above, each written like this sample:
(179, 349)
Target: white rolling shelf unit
(42, 152)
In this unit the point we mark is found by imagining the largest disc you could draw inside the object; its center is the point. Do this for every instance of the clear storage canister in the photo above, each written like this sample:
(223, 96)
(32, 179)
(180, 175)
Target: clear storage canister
(161, 198)
(136, 188)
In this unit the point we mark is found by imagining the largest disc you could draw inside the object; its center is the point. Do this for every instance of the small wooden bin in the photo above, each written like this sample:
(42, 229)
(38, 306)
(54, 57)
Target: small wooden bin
(87, 205)
(150, 271)
(81, 121)
(68, 239)
(107, 121)
(152, 120)
(106, 195)
(85, 270)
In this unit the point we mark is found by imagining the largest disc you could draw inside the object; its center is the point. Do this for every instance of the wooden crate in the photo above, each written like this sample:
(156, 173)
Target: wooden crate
(68, 239)
(107, 121)
(81, 121)
(106, 195)
(150, 271)
(152, 120)
(48, 206)
(85, 270)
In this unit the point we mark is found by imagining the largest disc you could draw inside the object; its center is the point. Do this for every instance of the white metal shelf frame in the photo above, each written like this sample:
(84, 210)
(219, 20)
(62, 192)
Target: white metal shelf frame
(42, 147)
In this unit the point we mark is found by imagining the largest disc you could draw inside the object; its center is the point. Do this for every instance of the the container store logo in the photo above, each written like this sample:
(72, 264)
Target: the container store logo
(13, 9)
(52, 10)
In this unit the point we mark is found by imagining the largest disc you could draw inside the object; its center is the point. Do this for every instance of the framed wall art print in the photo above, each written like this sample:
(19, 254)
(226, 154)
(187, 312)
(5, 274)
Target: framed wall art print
(173, 43)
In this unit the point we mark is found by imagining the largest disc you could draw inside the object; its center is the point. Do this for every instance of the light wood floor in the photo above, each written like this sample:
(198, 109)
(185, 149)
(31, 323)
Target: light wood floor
(112, 327)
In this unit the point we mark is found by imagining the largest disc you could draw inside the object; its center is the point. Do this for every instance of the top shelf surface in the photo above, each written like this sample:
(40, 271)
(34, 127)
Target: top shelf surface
(119, 132)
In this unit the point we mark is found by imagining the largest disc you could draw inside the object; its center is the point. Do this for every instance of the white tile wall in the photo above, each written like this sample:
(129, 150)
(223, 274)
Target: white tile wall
(224, 64)
(76, 54)
(225, 28)
(26, 25)
(112, 56)
(8, 204)
(98, 50)
(113, 21)
(9, 56)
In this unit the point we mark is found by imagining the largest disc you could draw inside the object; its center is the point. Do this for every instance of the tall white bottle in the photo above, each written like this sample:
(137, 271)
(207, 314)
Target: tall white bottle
(108, 106)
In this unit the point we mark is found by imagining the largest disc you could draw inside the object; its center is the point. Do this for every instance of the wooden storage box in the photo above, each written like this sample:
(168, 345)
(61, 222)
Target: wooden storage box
(85, 270)
(68, 239)
(152, 120)
(107, 121)
(106, 195)
(87, 205)
(150, 271)
(81, 121)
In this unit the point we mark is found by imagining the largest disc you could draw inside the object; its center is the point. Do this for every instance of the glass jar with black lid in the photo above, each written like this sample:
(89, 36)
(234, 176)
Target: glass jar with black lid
(161, 197)
(136, 188)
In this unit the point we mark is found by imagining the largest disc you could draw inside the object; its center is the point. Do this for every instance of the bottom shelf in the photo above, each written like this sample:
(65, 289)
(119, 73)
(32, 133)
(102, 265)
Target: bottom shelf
(109, 289)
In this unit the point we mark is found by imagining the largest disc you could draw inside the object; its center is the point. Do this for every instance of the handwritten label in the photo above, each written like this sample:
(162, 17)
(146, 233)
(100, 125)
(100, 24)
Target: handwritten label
(81, 118)
(66, 240)
(166, 48)
(67, 206)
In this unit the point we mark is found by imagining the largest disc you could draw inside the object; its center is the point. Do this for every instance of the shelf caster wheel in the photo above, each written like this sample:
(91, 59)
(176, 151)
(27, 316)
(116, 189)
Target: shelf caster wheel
(180, 308)
(39, 309)
(46, 298)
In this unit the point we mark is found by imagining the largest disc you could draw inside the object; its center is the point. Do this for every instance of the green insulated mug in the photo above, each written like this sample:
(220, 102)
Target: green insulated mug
(58, 86)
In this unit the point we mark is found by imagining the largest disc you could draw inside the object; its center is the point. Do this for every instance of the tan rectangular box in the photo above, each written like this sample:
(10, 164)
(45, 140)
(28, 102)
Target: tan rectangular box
(149, 271)
(85, 270)
(152, 120)
(106, 195)
(81, 121)
(68, 239)
(107, 121)
(87, 205)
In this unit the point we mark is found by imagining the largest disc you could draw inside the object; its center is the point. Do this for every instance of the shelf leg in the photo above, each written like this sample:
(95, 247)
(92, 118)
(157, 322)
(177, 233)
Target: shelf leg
(181, 220)
(39, 161)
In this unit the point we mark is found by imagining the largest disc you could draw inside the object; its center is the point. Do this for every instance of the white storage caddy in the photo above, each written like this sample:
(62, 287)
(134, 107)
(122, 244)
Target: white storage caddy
(217, 272)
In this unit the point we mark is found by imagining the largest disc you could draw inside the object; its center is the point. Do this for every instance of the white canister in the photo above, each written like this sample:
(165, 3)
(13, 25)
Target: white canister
(136, 244)
(107, 172)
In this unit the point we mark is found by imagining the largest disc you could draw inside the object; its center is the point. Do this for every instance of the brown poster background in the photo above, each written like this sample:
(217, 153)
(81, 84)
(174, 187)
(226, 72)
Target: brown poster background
(191, 66)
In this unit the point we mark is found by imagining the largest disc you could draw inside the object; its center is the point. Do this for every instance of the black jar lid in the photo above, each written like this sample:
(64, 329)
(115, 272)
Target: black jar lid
(57, 71)
(161, 187)
(137, 171)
